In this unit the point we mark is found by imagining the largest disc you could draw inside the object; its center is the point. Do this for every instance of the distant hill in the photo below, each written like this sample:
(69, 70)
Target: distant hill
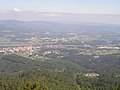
(44, 26)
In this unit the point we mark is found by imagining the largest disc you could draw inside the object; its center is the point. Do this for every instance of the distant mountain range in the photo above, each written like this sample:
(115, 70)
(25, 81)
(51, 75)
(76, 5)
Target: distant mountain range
(45, 26)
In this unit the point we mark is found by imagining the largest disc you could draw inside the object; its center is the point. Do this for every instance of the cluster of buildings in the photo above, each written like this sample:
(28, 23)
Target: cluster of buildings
(109, 47)
(23, 50)
(28, 50)
(92, 75)
(54, 39)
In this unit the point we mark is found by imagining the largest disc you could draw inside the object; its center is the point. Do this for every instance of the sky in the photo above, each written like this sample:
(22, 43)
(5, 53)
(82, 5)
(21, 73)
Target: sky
(75, 11)
(63, 6)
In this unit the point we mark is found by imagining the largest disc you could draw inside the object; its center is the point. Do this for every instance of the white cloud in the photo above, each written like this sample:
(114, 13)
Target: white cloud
(17, 9)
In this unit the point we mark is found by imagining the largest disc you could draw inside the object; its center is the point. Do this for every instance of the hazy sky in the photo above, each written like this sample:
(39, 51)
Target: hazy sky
(96, 11)
(72, 6)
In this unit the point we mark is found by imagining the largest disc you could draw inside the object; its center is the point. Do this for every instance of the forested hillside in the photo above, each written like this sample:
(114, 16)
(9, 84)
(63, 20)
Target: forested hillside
(51, 74)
